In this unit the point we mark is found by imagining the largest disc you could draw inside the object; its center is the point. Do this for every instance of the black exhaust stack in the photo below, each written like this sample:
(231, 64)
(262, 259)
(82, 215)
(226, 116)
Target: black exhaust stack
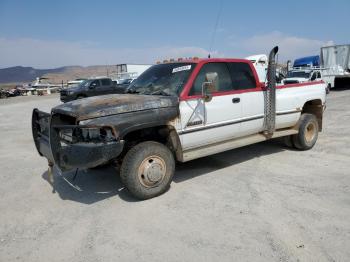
(270, 97)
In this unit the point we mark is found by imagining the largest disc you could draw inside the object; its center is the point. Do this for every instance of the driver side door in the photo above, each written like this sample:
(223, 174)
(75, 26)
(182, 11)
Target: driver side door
(207, 122)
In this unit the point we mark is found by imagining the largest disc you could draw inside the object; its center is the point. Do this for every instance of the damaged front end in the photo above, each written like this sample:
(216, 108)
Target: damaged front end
(68, 145)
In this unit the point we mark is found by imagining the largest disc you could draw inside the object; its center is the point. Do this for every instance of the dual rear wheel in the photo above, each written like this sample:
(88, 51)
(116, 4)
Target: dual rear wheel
(308, 133)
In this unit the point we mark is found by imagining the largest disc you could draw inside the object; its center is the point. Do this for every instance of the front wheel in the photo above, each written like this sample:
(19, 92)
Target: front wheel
(308, 132)
(147, 169)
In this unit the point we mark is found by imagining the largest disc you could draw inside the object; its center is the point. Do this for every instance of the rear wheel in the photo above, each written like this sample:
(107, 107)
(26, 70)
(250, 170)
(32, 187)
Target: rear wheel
(308, 132)
(147, 169)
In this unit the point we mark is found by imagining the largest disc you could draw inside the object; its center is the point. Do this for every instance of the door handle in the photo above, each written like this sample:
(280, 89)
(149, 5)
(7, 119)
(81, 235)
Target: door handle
(236, 100)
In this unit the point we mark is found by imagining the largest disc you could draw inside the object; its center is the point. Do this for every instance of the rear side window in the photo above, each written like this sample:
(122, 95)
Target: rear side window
(242, 76)
(224, 80)
(106, 82)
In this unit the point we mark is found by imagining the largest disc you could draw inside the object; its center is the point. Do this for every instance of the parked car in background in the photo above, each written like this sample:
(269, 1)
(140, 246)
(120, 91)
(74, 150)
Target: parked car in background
(301, 75)
(91, 87)
(305, 69)
(4, 93)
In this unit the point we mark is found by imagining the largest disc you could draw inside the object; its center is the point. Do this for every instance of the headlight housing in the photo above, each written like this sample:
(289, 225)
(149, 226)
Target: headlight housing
(86, 134)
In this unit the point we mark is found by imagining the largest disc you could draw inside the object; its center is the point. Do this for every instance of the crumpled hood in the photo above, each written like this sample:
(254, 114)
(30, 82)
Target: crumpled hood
(99, 106)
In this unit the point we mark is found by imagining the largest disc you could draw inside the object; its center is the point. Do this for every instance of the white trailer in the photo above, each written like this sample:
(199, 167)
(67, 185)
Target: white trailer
(335, 63)
(128, 71)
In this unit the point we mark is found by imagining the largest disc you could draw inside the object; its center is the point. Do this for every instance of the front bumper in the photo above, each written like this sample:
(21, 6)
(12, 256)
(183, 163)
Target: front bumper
(69, 156)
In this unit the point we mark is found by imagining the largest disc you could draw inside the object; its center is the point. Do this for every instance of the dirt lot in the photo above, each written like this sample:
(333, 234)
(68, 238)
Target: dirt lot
(259, 203)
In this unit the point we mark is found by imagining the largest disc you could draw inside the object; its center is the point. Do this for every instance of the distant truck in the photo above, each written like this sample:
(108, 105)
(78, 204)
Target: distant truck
(302, 75)
(260, 63)
(176, 112)
(308, 61)
(335, 63)
(91, 87)
(305, 69)
(125, 72)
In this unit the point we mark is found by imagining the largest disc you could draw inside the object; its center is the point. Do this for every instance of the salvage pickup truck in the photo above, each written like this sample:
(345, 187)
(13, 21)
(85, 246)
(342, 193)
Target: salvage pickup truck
(178, 111)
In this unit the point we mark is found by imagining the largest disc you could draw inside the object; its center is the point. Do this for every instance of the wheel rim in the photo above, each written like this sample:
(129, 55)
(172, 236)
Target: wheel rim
(310, 132)
(152, 171)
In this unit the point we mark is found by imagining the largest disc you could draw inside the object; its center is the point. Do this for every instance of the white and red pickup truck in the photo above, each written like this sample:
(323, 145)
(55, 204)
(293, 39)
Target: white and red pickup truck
(178, 111)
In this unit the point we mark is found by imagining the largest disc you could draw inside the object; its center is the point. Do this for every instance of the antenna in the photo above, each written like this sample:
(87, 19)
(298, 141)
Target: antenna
(215, 28)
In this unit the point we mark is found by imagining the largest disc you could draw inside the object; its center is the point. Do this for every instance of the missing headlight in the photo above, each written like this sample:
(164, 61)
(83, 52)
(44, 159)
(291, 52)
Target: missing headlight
(87, 135)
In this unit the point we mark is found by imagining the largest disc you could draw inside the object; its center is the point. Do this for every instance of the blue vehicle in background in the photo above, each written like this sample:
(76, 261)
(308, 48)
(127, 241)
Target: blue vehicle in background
(309, 61)
(305, 69)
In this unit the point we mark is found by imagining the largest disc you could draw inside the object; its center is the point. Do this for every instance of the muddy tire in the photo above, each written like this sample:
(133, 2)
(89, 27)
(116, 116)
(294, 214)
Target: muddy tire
(147, 169)
(308, 132)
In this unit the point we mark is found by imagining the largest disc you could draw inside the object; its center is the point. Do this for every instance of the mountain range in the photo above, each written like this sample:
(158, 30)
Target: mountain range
(21, 74)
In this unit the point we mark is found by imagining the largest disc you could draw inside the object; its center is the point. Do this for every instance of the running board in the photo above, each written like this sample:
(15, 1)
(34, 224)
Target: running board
(219, 147)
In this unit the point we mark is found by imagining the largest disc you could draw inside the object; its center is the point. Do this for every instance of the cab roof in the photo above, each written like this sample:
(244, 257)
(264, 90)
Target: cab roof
(205, 60)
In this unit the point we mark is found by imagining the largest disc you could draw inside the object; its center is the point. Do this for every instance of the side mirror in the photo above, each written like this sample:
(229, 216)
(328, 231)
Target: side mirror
(92, 86)
(206, 86)
(209, 86)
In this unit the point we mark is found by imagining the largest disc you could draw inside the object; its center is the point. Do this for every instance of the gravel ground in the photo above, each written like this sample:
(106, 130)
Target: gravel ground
(258, 203)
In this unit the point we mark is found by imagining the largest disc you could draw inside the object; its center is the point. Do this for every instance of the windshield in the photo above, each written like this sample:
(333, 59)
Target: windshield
(299, 74)
(162, 79)
(85, 83)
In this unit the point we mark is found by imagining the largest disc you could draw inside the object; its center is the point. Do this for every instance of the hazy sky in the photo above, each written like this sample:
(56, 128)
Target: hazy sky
(47, 34)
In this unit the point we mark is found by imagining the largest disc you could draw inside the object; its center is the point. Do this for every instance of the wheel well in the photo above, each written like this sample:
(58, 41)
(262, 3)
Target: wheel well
(164, 134)
(314, 107)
